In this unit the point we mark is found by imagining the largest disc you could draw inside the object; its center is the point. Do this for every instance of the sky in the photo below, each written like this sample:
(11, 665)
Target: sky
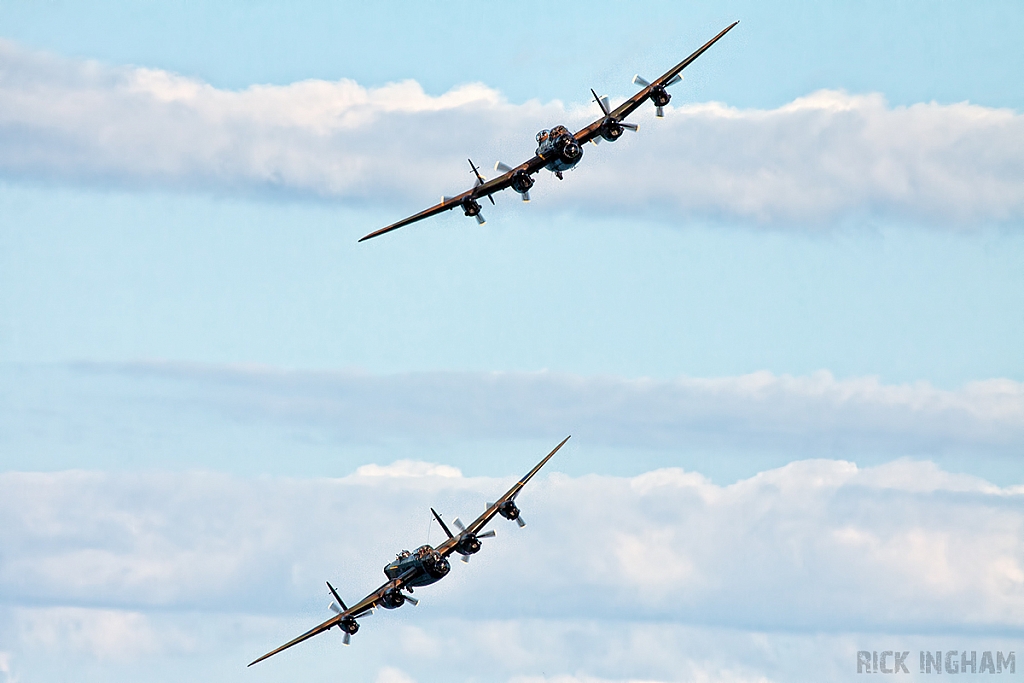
(782, 324)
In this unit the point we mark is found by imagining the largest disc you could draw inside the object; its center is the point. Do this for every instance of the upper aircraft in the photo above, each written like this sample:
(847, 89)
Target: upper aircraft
(421, 568)
(559, 150)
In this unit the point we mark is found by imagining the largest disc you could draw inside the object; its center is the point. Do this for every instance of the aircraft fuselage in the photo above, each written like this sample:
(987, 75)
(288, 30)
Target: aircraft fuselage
(559, 148)
(430, 566)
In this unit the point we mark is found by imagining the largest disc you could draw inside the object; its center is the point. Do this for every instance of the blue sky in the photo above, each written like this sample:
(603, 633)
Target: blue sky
(785, 320)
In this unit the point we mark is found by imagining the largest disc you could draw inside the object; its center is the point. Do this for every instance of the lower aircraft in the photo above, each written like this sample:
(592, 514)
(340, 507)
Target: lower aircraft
(427, 565)
(558, 149)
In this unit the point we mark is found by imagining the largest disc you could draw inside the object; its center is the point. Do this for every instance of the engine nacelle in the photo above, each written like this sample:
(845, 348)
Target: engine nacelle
(660, 96)
(508, 510)
(471, 206)
(392, 599)
(521, 181)
(611, 130)
(348, 625)
(468, 544)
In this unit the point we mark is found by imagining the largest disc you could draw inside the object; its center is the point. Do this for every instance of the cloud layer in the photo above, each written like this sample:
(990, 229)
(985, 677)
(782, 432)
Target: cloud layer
(816, 411)
(609, 571)
(824, 157)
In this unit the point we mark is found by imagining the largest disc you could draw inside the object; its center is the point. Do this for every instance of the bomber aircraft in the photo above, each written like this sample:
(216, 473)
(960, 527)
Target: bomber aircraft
(558, 150)
(427, 565)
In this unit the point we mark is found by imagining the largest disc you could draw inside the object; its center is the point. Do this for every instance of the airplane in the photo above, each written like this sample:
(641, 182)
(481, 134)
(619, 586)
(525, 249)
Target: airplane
(558, 150)
(423, 567)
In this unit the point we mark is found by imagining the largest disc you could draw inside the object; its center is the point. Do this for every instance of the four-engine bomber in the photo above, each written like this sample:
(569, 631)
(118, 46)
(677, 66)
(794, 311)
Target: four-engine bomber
(558, 149)
(427, 565)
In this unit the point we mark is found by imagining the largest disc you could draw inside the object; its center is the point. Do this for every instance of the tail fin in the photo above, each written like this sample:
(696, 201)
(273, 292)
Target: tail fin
(337, 597)
(441, 522)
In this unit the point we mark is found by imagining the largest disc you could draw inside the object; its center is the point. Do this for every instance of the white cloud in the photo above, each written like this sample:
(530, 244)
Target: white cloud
(5, 667)
(661, 577)
(821, 158)
(818, 544)
(408, 468)
(813, 413)
(102, 634)
(390, 674)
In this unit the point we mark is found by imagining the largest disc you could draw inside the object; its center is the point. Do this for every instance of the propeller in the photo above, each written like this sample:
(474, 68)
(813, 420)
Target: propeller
(487, 534)
(479, 181)
(520, 522)
(338, 607)
(660, 95)
(336, 597)
(414, 601)
(445, 199)
(610, 121)
(505, 168)
(611, 126)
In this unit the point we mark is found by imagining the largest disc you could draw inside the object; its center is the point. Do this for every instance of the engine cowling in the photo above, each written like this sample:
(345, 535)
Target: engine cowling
(468, 544)
(392, 599)
(348, 625)
(508, 510)
(471, 206)
(521, 181)
(660, 96)
(611, 130)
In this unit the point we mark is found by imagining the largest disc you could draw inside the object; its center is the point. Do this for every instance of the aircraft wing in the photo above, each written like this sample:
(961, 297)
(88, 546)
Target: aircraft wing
(477, 525)
(630, 105)
(486, 189)
(357, 610)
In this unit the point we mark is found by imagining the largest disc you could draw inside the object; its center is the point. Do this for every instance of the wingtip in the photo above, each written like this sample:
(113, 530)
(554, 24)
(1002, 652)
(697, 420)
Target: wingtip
(375, 233)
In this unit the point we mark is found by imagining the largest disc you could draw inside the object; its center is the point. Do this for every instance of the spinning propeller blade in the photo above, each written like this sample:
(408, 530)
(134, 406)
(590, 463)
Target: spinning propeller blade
(505, 168)
(629, 126)
(520, 522)
(443, 525)
(465, 559)
(487, 534)
(606, 110)
(411, 599)
(639, 80)
(479, 181)
(459, 525)
(346, 639)
(336, 597)
(480, 218)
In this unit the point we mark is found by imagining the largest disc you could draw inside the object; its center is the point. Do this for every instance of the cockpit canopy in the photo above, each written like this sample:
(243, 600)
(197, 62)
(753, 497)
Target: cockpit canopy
(552, 135)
